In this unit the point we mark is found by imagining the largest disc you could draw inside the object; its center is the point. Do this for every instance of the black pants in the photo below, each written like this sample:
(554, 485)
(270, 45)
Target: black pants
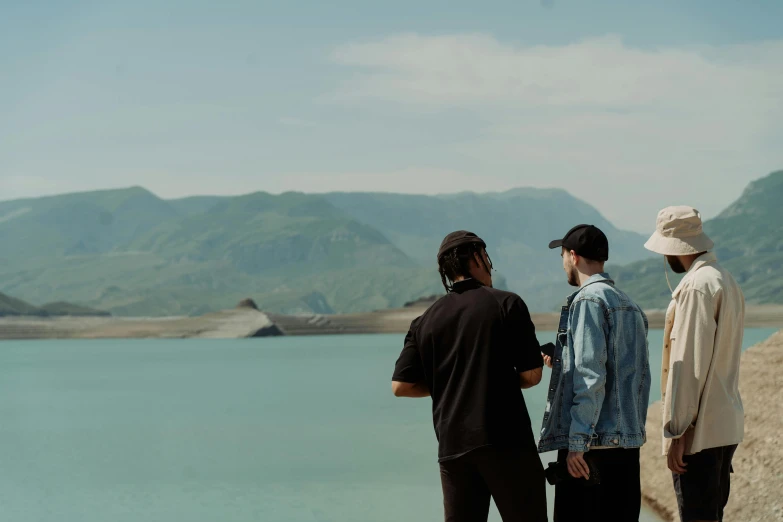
(618, 498)
(513, 478)
(703, 491)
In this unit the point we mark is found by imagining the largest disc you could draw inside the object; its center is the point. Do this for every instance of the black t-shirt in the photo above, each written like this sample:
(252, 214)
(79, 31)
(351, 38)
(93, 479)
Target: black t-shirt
(470, 347)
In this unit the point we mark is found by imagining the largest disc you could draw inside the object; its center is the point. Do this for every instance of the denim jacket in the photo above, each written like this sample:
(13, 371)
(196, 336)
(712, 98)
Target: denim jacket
(600, 386)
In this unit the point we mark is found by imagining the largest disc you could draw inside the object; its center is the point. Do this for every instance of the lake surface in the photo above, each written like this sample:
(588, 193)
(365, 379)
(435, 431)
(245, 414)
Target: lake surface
(277, 430)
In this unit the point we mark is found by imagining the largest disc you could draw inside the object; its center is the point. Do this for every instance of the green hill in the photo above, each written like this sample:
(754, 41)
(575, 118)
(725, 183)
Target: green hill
(77, 224)
(10, 306)
(748, 241)
(517, 225)
(132, 253)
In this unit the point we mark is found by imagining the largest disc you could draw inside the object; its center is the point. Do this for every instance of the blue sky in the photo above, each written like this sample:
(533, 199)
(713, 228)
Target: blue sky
(629, 105)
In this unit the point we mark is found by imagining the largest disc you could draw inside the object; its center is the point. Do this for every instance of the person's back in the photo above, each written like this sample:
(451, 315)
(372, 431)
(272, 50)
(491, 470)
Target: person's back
(622, 422)
(720, 418)
(469, 345)
(600, 386)
(472, 351)
(702, 414)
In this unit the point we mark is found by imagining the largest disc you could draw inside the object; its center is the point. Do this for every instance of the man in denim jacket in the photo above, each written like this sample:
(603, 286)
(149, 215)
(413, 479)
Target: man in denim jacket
(599, 392)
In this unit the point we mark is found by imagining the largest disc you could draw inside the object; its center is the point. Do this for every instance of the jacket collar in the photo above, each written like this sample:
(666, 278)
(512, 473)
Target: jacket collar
(703, 260)
(597, 278)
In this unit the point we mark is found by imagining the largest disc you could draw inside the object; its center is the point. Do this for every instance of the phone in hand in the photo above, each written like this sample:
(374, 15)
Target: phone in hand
(548, 349)
(557, 473)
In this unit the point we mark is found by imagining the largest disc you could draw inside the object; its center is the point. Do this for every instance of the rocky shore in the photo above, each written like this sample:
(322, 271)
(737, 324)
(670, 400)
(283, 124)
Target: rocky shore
(757, 484)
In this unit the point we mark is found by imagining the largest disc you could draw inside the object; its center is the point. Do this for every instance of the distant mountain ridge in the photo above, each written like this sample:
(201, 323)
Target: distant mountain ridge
(10, 306)
(517, 225)
(135, 254)
(748, 238)
(131, 253)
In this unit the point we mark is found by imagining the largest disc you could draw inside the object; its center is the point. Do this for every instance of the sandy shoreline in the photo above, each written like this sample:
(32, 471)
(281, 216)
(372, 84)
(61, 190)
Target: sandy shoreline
(246, 322)
(229, 324)
(757, 484)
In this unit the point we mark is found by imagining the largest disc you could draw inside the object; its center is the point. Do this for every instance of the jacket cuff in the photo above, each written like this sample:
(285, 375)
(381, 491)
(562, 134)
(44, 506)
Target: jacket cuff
(578, 445)
(668, 433)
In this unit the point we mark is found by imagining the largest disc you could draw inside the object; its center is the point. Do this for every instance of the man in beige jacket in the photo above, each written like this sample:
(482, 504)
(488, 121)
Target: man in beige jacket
(703, 418)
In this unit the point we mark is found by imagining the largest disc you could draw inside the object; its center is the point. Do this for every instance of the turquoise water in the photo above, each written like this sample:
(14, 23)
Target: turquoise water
(277, 429)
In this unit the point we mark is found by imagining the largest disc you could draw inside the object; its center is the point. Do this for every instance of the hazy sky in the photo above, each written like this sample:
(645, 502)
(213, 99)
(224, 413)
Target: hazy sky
(629, 105)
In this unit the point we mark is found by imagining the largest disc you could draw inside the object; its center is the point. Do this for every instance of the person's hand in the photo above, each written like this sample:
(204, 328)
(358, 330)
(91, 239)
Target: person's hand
(675, 458)
(547, 360)
(577, 466)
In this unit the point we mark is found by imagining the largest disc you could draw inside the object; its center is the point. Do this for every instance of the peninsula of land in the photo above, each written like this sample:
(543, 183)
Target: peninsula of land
(247, 321)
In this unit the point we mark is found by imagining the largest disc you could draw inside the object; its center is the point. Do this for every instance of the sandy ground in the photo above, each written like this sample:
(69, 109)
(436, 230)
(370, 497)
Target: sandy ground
(757, 484)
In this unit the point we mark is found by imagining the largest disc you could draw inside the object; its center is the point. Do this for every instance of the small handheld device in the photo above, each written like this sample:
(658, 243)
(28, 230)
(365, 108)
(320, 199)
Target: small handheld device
(557, 473)
(548, 349)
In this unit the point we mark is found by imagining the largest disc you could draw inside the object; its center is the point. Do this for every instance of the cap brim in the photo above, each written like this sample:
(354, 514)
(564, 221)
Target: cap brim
(556, 243)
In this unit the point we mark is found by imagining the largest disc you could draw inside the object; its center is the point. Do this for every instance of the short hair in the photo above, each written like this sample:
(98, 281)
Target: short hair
(587, 259)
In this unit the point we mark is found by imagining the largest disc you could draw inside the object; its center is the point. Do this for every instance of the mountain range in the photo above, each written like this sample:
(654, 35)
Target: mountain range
(748, 238)
(130, 252)
(10, 306)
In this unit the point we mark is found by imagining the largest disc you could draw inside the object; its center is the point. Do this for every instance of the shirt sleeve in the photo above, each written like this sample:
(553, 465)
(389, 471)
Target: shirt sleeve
(526, 352)
(692, 345)
(409, 367)
(589, 332)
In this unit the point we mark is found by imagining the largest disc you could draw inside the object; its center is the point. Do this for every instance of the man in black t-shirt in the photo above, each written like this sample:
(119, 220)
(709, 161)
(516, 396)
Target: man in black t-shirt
(472, 351)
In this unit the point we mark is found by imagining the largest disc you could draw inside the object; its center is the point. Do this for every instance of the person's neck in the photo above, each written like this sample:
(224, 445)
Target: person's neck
(586, 275)
(687, 261)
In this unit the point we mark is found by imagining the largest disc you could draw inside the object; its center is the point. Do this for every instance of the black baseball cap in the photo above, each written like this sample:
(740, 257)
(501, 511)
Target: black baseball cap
(459, 238)
(587, 241)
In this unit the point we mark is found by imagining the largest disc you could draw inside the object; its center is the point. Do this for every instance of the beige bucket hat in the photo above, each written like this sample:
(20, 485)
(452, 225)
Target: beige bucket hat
(679, 232)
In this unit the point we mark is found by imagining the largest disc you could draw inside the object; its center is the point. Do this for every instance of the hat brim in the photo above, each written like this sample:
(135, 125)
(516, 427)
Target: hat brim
(556, 243)
(675, 246)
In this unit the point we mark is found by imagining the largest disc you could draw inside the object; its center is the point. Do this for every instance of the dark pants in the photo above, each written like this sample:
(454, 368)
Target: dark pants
(513, 478)
(703, 491)
(618, 498)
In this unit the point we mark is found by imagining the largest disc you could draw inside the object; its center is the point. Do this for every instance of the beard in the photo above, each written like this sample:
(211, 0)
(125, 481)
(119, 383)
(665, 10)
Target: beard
(573, 276)
(675, 264)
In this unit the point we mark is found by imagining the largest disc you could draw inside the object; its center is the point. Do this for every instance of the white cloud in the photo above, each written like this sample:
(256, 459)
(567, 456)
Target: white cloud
(477, 69)
(627, 129)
